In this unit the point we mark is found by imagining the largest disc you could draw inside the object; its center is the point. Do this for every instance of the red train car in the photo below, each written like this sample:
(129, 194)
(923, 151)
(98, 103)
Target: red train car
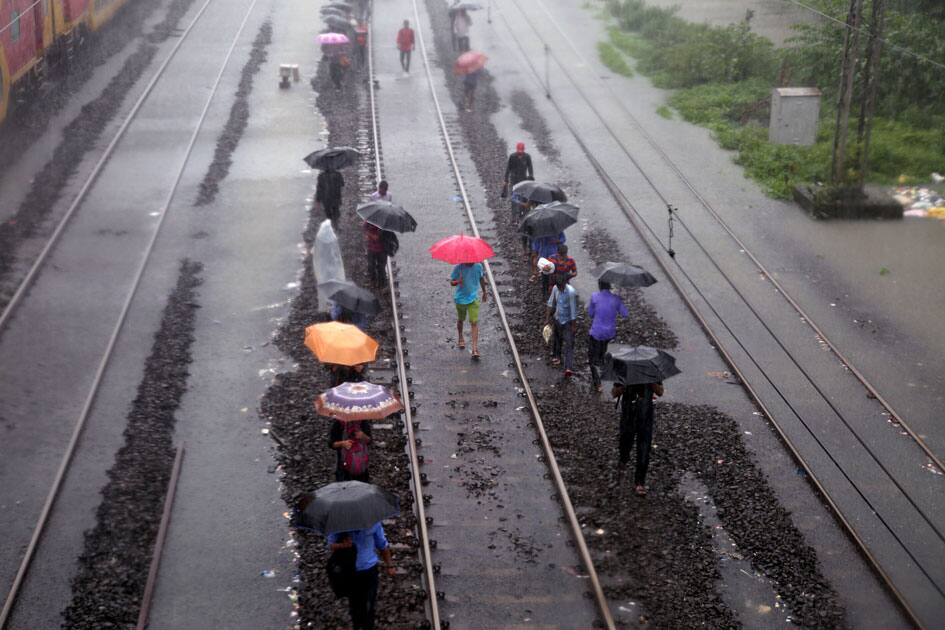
(36, 32)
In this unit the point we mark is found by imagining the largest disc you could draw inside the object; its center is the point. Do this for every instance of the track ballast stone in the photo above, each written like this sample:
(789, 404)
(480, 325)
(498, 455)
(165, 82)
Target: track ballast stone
(665, 562)
(114, 565)
(301, 436)
(236, 123)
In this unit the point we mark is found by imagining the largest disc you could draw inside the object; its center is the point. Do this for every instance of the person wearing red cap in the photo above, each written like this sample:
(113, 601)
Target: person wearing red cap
(518, 168)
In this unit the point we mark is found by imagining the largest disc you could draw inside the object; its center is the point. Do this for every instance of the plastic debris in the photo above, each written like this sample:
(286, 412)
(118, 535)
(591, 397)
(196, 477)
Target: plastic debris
(268, 573)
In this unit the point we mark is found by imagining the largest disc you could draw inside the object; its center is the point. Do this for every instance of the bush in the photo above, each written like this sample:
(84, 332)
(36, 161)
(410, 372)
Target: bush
(613, 59)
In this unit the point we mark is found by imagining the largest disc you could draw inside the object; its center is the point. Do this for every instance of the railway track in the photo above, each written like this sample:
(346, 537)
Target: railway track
(116, 326)
(887, 503)
(500, 593)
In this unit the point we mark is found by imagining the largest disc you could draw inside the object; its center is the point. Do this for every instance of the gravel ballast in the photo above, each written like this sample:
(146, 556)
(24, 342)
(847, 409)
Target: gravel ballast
(301, 436)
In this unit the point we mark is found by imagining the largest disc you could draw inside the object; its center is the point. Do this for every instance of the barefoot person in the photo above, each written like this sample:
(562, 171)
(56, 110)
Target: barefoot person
(636, 425)
(467, 279)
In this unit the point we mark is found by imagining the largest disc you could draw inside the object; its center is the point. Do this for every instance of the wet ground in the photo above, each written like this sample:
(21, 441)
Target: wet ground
(731, 533)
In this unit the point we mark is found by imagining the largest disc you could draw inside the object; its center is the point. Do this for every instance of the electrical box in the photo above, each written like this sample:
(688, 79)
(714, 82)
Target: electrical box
(795, 113)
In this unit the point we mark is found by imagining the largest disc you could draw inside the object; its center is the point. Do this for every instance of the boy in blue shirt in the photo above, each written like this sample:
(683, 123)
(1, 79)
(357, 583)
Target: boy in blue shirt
(468, 279)
(362, 597)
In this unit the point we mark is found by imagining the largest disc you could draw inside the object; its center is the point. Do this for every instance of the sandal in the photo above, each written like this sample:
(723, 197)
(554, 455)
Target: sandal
(555, 361)
(461, 344)
(640, 490)
(475, 356)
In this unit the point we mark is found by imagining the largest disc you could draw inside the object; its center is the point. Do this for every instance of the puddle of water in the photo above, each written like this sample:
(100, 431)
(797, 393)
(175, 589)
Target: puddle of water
(750, 594)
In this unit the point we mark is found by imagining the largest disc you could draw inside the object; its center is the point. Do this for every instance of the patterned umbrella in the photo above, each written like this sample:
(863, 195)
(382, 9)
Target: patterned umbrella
(332, 39)
(357, 401)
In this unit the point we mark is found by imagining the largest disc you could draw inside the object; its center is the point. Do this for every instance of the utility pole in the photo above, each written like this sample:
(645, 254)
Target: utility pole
(871, 83)
(851, 46)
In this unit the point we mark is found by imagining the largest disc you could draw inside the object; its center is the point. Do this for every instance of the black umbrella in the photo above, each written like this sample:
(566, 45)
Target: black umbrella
(332, 158)
(341, 13)
(637, 365)
(387, 216)
(355, 299)
(344, 6)
(549, 219)
(336, 21)
(538, 192)
(624, 275)
(347, 506)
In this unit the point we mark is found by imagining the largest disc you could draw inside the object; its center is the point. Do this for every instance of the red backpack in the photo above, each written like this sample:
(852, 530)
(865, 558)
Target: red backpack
(355, 459)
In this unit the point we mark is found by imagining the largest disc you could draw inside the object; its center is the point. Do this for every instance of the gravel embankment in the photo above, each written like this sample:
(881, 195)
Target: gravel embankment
(236, 123)
(113, 567)
(665, 562)
(301, 436)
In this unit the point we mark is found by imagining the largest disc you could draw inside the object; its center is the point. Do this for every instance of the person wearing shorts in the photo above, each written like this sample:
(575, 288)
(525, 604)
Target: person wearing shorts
(467, 279)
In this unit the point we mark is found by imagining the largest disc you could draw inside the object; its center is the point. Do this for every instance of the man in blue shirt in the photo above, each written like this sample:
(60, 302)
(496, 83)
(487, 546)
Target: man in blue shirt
(362, 597)
(468, 279)
(603, 310)
(563, 304)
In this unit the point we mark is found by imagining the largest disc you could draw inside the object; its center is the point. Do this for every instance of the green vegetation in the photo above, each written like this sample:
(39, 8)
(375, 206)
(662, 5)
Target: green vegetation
(665, 112)
(723, 78)
(613, 59)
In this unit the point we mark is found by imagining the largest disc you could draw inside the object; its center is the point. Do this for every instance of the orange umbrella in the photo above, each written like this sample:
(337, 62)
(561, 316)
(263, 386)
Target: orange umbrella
(340, 344)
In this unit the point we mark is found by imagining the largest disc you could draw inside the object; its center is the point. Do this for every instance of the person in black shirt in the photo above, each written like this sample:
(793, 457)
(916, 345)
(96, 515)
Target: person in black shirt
(636, 425)
(350, 441)
(518, 169)
(328, 192)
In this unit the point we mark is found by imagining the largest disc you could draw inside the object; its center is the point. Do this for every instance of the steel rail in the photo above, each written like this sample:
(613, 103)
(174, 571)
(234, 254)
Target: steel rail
(560, 487)
(777, 340)
(634, 217)
(724, 225)
(106, 357)
(424, 534)
(145, 611)
(27, 281)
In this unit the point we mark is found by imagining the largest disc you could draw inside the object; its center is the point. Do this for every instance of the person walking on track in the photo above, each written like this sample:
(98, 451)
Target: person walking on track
(328, 193)
(562, 303)
(350, 441)
(382, 194)
(603, 310)
(636, 425)
(362, 592)
(405, 45)
(461, 24)
(518, 168)
(467, 278)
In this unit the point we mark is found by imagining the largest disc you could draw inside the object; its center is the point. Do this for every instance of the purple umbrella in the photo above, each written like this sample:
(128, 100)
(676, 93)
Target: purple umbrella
(332, 39)
(357, 401)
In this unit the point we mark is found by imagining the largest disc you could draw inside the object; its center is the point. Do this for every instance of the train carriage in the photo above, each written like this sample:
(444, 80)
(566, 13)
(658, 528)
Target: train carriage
(36, 32)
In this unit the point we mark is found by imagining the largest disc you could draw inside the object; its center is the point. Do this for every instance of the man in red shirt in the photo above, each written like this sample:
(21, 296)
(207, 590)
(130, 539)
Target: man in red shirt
(376, 255)
(564, 265)
(405, 45)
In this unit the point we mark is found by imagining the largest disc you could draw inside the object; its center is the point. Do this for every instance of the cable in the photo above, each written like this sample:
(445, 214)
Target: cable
(885, 42)
(18, 16)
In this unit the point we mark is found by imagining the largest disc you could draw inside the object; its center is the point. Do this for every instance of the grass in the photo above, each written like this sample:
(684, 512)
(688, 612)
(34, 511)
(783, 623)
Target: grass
(665, 112)
(734, 103)
(614, 59)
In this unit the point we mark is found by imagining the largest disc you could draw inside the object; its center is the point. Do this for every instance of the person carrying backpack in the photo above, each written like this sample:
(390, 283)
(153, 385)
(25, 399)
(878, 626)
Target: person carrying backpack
(328, 189)
(363, 582)
(350, 441)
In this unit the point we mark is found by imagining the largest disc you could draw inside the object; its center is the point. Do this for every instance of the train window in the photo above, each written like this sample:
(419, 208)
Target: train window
(15, 25)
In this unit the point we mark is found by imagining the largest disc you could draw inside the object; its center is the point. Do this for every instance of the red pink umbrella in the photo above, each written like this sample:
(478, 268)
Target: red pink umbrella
(469, 62)
(461, 249)
(332, 39)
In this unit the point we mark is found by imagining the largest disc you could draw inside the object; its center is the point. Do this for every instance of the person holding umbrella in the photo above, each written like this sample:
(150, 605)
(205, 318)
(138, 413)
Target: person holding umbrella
(467, 253)
(469, 65)
(603, 310)
(638, 379)
(352, 406)
(461, 24)
(349, 513)
(562, 303)
(328, 189)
